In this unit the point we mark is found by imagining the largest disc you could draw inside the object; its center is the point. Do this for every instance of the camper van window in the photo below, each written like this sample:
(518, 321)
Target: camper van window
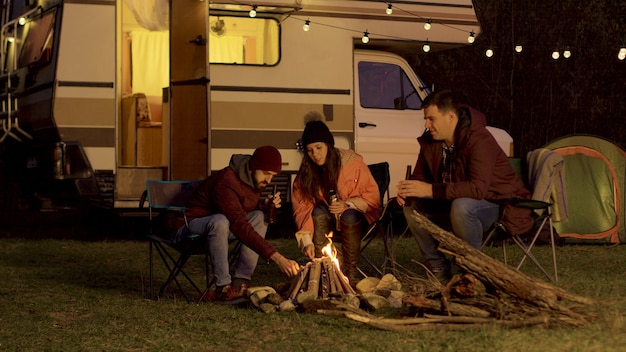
(386, 86)
(243, 40)
(38, 44)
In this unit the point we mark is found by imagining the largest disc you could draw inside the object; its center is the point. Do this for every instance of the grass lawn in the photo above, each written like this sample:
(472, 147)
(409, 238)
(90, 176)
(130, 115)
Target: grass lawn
(70, 295)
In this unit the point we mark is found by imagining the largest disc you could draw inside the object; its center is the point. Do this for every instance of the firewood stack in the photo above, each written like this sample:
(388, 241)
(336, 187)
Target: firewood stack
(321, 276)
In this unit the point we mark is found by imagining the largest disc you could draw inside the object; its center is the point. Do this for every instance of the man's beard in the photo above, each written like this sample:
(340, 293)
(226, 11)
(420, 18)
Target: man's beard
(261, 185)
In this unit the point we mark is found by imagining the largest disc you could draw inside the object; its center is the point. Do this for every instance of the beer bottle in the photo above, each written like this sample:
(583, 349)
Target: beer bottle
(334, 198)
(271, 210)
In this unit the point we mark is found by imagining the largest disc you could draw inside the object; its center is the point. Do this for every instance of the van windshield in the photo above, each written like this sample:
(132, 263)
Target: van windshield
(243, 40)
(386, 86)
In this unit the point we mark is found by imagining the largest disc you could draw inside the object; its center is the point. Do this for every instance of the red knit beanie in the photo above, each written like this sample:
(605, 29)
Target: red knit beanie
(266, 158)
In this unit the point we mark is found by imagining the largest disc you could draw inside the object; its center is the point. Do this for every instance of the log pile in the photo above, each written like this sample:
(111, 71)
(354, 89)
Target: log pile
(321, 278)
(488, 294)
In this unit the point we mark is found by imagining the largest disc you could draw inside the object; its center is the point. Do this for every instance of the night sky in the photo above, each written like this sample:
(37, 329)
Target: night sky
(529, 94)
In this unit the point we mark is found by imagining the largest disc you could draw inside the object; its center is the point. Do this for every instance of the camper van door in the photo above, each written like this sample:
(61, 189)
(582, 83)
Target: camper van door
(388, 111)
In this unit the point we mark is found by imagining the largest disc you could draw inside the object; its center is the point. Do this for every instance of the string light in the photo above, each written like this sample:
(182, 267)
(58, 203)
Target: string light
(489, 53)
(365, 38)
(389, 10)
(567, 53)
(519, 47)
(556, 55)
(471, 38)
(427, 25)
(307, 25)
(22, 21)
(253, 11)
(426, 46)
(621, 55)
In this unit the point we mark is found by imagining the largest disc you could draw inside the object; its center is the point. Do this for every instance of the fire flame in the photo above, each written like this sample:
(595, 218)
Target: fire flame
(330, 251)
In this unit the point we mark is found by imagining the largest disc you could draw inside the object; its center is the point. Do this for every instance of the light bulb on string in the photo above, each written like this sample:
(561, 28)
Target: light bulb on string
(307, 25)
(253, 12)
(426, 46)
(471, 38)
(519, 48)
(22, 21)
(389, 9)
(365, 38)
(567, 53)
(556, 55)
(428, 25)
(621, 55)
(489, 52)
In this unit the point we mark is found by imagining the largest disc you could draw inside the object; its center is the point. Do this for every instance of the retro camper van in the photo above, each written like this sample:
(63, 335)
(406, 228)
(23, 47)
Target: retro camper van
(98, 96)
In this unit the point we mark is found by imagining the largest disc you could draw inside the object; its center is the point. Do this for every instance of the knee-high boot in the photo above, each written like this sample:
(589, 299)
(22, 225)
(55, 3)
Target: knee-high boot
(321, 228)
(351, 250)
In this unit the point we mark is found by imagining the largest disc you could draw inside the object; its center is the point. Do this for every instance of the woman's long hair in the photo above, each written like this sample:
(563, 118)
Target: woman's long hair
(314, 179)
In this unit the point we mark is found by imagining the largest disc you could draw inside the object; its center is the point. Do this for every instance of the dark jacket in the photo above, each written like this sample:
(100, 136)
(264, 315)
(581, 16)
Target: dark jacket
(482, 170)
(231, 192)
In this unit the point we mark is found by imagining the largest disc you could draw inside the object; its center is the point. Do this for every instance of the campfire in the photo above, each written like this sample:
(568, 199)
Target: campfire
(321, 277)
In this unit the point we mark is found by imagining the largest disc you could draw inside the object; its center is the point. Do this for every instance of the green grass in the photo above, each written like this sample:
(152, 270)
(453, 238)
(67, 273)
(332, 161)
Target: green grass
(68, 295)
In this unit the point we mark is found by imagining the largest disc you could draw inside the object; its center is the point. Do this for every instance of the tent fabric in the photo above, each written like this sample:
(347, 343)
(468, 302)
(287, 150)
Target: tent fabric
(594, 174)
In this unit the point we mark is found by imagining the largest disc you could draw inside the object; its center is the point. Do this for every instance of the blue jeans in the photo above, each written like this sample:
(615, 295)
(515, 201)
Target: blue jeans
(216, 229)
(467, 218)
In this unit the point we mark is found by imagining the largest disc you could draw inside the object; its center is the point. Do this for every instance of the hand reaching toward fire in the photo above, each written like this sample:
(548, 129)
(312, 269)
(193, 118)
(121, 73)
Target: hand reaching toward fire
(287, 266)
(309, 251)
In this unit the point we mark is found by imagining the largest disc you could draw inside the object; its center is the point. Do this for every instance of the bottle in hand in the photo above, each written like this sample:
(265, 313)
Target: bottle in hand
(271, 215)
(334, 198)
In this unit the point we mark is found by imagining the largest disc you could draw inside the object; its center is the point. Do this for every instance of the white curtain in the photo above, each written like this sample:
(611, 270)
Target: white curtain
(226, 49)
(151, 64)
(152, 15)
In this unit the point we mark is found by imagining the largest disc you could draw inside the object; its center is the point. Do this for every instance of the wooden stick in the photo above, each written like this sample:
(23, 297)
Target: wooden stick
(296, 284)
(314, 277)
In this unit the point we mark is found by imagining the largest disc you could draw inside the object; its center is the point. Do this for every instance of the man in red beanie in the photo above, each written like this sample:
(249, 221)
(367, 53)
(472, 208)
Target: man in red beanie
(226, 206)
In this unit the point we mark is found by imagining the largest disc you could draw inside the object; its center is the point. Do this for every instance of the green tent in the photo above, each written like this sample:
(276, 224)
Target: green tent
(594, 170)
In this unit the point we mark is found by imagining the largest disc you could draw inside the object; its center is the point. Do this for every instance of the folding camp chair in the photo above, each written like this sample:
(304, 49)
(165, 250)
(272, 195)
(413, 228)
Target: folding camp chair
(383, 225)
(542, 213)
(166, 201)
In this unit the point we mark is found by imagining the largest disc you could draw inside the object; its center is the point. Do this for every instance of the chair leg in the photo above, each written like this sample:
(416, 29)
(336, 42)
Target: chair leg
(528, 254)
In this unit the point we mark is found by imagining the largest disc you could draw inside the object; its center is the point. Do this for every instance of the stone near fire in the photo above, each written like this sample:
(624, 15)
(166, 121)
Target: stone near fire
(389, 282)
(367, 285)
(374, 301)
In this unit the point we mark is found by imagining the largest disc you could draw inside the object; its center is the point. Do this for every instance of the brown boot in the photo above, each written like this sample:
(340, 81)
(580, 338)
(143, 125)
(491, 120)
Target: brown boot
(321, 228)
(351, 251)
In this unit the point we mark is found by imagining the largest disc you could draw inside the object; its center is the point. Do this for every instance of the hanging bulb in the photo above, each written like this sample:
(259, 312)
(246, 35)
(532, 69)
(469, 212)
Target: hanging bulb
(22, 21)
(621, 55)
(253, 11)
(365, 38)
(567, 53)
(489, 53)
(426, 46)
(519, 48)
(556, 55)
(471, 38)
(427, 25)
(307, 25)
(389, 10)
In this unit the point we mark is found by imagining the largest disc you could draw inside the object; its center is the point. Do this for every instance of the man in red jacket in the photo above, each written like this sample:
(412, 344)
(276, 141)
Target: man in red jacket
(226, 206)
(460, 180)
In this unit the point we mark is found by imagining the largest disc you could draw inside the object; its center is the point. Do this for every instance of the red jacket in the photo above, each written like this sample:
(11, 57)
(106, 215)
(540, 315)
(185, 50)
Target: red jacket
(231, 192)
(482, 170)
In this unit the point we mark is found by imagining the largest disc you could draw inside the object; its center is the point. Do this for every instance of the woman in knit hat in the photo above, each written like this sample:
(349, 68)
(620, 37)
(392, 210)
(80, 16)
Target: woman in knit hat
(324, 170)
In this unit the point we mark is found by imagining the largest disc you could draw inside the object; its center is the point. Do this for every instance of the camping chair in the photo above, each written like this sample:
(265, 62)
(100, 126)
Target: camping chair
(542, 212)
(383, 225)
(166, 201)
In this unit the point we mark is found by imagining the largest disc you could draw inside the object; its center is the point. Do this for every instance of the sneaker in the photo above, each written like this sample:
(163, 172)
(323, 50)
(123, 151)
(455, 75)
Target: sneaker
(229, 294)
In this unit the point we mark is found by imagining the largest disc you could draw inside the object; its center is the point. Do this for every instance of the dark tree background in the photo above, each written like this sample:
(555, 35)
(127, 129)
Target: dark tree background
(529, 94)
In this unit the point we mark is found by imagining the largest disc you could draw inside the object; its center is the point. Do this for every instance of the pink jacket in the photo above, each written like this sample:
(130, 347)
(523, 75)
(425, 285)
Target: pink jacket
(355, 184)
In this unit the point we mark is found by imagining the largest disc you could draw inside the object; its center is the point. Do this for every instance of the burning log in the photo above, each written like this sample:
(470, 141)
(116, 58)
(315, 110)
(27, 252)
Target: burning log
(321, 276)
